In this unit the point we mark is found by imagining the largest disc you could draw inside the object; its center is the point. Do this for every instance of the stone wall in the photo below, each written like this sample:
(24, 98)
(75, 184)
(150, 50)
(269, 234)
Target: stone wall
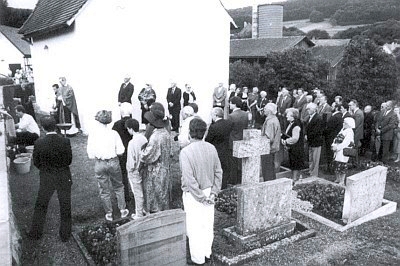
(10, 244)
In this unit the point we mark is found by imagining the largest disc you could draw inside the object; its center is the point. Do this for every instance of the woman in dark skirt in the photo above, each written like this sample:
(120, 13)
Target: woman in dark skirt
(293, 140)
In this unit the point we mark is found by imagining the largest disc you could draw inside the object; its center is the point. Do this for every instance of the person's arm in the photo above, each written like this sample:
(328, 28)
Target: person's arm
(119, 146)
(295, 136)
(151, 153)
(217, 176)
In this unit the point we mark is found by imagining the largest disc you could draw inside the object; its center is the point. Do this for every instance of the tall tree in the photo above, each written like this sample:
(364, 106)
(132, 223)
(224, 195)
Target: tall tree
(3, 11)
(366, 73)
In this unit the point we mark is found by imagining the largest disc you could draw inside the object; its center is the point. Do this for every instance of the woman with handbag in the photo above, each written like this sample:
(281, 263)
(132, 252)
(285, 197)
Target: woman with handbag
(342, 141)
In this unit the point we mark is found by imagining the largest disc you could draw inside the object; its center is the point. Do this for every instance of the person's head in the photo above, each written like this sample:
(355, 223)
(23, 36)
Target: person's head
(270, 109)
(396, 109)
(235, 102)
(195, 107)
(245, 90)
(344, 108)
(311, 108)
(132, 125)
(148, 86)
(197, 128)
(255, 90)
(55, 87)
(20, 110)
(104, 117)
(338, 99)
(367, 109)
(353, 105)
(125, 109)
(232, 87)
(63, 81)
(238, 90)
(294, 92)
(309, 98)
(217, 113)
(322, 100)
(156, 115)
(48, 123)
(389, 105)
(285, 91)
(300, 91)
(337, 107)
(173, 84)
(127, 78)
(220, 84)
(187, 111)
(188, 87)
(349, 122)
(292, 114)
(263, 94)
(383, 106)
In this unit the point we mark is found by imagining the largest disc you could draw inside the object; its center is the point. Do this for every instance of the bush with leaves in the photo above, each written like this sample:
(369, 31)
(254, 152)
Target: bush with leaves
(318, 34)
(316, 16)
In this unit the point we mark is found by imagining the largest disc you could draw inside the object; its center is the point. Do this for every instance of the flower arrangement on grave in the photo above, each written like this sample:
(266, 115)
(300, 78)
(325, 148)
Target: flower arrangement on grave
(227, 202)
(393, 172)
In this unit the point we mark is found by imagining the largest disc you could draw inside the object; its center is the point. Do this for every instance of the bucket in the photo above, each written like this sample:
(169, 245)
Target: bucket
(26, 155)
(22, 165)
(29, 149)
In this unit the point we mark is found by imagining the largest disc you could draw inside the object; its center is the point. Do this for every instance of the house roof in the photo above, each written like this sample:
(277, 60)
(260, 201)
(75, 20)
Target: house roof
(50, 15)
(331, 50)
(254, 48)
(16, 39)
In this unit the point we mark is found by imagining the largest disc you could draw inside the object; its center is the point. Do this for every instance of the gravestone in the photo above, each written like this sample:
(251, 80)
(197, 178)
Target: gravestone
(157, 239)
(263, 213)
(250, 149)
(364, 193)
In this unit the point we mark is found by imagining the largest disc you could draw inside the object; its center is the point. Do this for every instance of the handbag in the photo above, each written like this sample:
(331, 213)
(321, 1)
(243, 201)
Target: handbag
(350, 152)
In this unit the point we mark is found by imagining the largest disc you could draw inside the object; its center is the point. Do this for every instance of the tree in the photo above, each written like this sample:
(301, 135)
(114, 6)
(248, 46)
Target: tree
(366, 73)
(3, 11)
(318, 34)
(316, 16)
(292, 31)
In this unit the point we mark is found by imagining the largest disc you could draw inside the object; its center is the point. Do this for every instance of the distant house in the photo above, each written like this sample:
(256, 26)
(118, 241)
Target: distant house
(330, 50)
(256, 50)
(94, 44)
(15, 53)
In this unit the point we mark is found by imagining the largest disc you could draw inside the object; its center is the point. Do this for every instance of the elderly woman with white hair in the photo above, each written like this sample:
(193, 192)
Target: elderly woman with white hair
(293, 141)
(343, 140)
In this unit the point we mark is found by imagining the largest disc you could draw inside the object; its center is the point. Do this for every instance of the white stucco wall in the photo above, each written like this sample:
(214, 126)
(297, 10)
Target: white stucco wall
(9, 54)
(155, 41)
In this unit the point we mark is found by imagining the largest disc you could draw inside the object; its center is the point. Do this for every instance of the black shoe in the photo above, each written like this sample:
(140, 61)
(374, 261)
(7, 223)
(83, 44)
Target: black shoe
(208, 260)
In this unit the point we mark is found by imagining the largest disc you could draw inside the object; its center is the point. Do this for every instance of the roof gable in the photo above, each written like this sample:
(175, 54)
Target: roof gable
(16, 39)
(50, 15)
(247, 48)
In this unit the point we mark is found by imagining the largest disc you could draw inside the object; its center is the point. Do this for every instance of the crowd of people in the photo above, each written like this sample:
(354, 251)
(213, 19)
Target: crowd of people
(303, 126)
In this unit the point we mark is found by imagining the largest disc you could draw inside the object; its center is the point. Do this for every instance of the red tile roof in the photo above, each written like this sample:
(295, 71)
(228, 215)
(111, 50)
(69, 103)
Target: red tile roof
(16, 39)
(254, 48)
(50, 15)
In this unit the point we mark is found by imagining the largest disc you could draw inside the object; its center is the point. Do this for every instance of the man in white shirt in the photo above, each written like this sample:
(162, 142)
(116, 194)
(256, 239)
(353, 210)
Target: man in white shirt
(27, 129)
(105, 145)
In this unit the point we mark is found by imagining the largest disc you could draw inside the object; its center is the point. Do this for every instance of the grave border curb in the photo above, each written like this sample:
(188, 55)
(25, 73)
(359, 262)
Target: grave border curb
(389, 208)
(88, 258)
(256, 253)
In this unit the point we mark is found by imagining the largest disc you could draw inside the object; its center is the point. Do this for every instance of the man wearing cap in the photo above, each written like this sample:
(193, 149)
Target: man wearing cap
(314, 138)
(104, 146)
(218, 135)
(125, 91)
(272, 129)
(119, 126)
(239, 120)
(174, 105)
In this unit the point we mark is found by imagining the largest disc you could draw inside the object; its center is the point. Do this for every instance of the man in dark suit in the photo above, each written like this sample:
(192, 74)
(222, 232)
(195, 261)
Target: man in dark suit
(283, 103)
(388, 123)
(174, 105)
(52, 155)
(119, 126)
(125, 91)
(368, 128)
(218, 135)
(333, 126)
(358, 116)
(239, 120)
(300, 101)
(314, 137)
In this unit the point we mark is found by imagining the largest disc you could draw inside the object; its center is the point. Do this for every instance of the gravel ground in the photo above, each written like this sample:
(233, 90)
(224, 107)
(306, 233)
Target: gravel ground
(373, 243)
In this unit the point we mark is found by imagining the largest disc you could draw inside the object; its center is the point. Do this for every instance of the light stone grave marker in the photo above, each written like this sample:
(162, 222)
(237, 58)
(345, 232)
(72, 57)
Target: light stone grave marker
(250, 149)
(364, 193)
(157, 239)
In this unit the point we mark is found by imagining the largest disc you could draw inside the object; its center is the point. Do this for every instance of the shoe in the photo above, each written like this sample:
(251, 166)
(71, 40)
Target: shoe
(124, 213)
(109, 216)
(208, 260)
(190, 262)
(134, 216)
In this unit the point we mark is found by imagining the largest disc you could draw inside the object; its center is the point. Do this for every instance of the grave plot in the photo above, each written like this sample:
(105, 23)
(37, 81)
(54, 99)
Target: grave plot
(362, 201)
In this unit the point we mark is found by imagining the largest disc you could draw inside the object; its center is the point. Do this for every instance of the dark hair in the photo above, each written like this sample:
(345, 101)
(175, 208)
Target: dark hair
(345, 105)
(133, 124)
(338, 106)
(20, 108)
(236, 101)
(355, 102)
(194, 106)
(197, 128)
(56, 85)
(48, 123)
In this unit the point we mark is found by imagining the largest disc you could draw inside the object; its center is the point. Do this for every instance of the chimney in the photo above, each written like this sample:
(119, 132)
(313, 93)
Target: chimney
(267, 21)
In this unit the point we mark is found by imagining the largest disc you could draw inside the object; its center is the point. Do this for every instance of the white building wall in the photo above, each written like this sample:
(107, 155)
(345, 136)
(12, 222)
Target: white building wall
(9, 54)
(155, 41)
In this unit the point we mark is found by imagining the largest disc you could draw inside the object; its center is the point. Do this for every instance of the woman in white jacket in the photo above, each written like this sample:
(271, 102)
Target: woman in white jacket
(343, 140)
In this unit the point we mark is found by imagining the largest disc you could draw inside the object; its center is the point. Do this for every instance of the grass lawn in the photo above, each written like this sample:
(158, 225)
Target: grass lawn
(373, 243)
